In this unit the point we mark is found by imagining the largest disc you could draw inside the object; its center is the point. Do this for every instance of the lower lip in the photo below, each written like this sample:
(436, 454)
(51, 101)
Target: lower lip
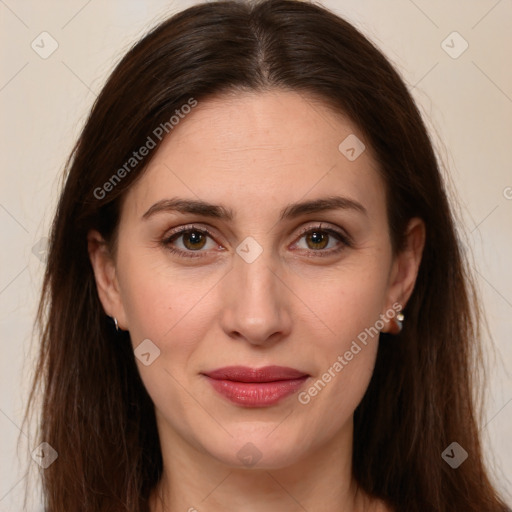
(256, 394)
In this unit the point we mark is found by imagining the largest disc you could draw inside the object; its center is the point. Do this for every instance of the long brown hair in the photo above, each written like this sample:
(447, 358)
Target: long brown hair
(96, 412)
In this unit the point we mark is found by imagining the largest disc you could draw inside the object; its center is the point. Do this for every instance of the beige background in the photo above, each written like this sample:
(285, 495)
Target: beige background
(467, 100)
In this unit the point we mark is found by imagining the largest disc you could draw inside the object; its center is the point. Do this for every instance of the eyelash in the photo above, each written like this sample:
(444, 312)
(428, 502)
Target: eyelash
(340, 236)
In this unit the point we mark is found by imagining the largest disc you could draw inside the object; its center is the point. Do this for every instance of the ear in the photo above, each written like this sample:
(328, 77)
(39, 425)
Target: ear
(106, 279)
(405, 267)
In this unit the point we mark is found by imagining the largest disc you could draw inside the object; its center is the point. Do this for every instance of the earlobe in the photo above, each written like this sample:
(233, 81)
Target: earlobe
(105, 276)
(406, 266)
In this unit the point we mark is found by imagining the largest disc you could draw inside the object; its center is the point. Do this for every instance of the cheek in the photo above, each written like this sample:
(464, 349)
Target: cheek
(347, 306)
(174, 310)
(159, 298)
(345, 300)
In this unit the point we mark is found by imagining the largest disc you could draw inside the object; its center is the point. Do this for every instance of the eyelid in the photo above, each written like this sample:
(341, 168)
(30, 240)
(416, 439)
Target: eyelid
(167, 241)
(343, 237)
(186, 228)
(341, 233)
(344, 240)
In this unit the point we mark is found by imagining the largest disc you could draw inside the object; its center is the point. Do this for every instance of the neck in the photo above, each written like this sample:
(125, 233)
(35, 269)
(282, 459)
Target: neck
(320, 480)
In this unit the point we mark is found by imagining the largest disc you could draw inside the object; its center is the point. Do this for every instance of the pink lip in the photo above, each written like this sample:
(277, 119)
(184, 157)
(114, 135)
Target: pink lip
(256, 387)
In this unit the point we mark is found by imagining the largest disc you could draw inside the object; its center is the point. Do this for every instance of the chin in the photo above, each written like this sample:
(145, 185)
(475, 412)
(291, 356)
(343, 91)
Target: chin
(257, 451)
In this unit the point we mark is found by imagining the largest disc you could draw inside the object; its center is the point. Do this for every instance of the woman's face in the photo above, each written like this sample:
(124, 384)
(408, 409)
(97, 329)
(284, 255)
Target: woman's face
(254, 239)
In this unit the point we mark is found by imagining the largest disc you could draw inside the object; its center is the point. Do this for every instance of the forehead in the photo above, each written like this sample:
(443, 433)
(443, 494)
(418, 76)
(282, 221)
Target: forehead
(261, 150)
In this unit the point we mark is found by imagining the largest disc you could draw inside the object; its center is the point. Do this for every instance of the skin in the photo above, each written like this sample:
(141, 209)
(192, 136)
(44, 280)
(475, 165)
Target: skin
(256, 153)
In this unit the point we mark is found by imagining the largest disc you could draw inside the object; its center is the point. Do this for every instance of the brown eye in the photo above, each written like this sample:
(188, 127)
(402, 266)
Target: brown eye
(194, 240)
(317, 240)
(190, 242)
(322, 241)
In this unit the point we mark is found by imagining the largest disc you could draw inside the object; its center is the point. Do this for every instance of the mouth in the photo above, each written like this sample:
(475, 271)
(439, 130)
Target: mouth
(256, 387)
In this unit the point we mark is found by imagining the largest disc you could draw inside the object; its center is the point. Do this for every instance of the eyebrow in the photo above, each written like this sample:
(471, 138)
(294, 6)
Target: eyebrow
(291, 211)
(190, 206)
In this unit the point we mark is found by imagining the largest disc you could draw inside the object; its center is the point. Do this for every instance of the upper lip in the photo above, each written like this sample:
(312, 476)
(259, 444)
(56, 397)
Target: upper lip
(246, 374)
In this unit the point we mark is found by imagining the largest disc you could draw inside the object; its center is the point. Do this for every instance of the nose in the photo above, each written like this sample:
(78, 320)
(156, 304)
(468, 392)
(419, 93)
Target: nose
(256, 302)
